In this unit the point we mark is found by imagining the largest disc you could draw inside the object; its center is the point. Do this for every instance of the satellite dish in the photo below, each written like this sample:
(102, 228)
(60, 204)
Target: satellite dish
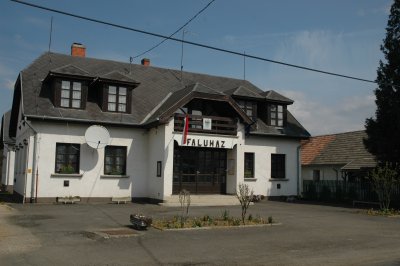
(97, 137)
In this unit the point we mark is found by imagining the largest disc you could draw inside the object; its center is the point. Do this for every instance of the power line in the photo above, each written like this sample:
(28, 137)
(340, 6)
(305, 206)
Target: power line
(193, 43)
(175, 32)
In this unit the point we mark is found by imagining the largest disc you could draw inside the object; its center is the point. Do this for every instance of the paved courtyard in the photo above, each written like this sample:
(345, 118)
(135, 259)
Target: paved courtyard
(308, 235)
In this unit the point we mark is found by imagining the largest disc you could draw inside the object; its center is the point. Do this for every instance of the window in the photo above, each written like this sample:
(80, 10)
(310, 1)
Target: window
(116, 99)
(316, 175)
(278, 166)
(71, 94)
(250, 108)
(67, 158)
(248, 165)
(276, 115)
(115, 160)
(159, 168)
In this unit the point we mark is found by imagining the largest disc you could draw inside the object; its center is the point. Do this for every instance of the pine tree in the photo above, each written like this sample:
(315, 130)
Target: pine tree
(384, 130)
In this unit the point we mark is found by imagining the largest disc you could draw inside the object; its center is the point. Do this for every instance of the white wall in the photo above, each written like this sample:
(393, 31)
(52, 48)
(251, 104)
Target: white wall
(155, 153)
(168, 163)
(263, 147)
(92, 182)
(7, 173)
(327, 172)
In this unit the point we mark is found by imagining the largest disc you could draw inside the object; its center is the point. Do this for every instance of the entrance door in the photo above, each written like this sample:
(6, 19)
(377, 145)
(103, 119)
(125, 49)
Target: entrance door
(199, 170)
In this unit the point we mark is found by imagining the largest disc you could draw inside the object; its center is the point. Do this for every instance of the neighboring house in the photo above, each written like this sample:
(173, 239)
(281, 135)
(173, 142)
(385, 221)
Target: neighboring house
(336, 157)
(8, 147)
(236, 132)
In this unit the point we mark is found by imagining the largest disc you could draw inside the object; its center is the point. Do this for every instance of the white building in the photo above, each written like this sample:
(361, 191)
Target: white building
(8, 147)
(237, 133)
(340, 157)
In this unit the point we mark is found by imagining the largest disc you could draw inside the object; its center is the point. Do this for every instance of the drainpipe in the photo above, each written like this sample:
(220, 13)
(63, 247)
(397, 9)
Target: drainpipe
(34, 163)
(26, 174)
(298, 169)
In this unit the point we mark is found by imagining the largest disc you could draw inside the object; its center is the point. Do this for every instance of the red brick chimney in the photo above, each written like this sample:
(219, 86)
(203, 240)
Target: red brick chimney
(146, 62)
(78, 49)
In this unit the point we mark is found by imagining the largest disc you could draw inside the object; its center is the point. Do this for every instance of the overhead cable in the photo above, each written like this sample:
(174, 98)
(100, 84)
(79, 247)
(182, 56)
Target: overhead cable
(175, 32)
(193, 43)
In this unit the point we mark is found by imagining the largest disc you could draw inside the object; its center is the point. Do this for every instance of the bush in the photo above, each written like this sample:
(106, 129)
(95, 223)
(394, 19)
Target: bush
(225, 215)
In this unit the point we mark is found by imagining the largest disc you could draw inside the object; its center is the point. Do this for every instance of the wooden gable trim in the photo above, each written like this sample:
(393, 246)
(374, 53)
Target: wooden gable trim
(205, 96)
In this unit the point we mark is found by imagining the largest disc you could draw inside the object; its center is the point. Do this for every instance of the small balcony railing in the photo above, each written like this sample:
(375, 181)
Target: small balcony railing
(199, 124)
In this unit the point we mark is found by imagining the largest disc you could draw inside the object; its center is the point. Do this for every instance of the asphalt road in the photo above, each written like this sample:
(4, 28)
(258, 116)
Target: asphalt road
(307, 235)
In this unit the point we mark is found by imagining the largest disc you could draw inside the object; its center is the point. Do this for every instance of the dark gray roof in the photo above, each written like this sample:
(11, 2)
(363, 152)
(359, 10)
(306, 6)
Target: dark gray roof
(276, 97)
(118, 76)
(70, 70)
(345, 149)
(5, 125)
(156, 90)
(242, 91)
(292, 128)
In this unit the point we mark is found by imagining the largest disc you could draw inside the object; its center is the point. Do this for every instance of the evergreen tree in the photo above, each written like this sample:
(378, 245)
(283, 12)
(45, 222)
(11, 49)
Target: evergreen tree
(384, 130)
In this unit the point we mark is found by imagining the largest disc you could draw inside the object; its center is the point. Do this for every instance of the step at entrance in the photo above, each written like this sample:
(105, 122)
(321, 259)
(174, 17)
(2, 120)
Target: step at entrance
(203, 200)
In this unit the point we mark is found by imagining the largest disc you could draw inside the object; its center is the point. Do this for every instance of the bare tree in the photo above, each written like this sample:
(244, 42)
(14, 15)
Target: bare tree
(244, 194)
(184, 199)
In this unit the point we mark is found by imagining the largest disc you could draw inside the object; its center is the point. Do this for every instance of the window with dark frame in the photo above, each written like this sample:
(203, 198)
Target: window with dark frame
(67, 158)
(115, 160)
(278, 166)
(276, 115)
(159, 168)
(249, 107)
(248, 165)
(117, 99)
(71, 94)
(316, 175)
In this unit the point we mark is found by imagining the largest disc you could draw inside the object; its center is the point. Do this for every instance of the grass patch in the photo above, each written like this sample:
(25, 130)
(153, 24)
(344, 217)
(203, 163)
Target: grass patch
(387, 212)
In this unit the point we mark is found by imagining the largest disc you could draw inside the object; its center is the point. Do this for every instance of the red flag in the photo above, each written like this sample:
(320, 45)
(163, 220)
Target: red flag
(185, 129)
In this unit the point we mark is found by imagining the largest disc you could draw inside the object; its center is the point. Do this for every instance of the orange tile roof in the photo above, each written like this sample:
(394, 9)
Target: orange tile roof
(312, 147)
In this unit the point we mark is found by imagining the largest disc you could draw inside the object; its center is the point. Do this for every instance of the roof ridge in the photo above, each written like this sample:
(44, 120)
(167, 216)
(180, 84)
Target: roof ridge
(341, 133)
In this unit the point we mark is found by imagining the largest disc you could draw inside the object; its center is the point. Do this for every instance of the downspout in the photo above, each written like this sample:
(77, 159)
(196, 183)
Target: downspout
(34, 163)
(26, 174)
(298, 169)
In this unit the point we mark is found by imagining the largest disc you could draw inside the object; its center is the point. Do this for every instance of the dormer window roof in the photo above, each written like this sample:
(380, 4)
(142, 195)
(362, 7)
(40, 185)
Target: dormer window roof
(69, 71)
(273, 96)
(117, 78)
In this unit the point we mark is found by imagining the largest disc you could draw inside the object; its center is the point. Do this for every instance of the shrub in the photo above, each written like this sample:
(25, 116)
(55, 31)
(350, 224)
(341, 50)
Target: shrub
(225, 215)
(244, 194)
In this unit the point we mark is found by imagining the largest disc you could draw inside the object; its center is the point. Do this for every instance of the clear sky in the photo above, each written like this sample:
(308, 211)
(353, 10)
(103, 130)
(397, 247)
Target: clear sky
(340, 36)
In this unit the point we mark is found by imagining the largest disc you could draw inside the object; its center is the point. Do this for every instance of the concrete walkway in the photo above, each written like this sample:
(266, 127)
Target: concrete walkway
(14, 239)
(308, 235)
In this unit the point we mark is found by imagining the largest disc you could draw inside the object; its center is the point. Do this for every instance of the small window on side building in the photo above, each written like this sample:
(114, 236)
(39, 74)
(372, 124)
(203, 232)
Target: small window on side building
(316, 175)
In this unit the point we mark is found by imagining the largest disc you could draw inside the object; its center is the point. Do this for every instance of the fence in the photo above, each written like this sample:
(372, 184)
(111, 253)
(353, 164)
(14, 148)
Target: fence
(341, 191)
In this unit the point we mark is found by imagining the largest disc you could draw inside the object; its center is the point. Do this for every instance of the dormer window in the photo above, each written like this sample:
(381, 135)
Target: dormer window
(71, 94)
(249, 107)
(276, 115)
(116, 99)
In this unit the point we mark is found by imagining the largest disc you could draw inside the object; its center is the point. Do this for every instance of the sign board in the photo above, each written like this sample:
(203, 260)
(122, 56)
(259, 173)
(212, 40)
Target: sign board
(203, 141)
(207, 122)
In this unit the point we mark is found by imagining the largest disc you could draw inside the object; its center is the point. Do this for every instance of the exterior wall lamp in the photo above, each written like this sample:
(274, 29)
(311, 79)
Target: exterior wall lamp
(25, 142)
